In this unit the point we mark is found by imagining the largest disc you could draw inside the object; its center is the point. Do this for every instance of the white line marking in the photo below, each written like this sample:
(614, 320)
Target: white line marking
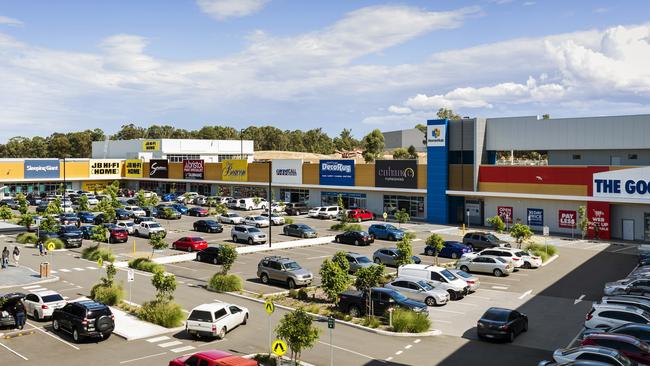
(398, 353)
(181, 349)
(465, 303)
(157, 339)
(440, 321)
(170, 344)
(621, 249)
(389, 358)
(65, 270)
(525, 294)
(417, 341)
(142, 358)
(347, 350)
(52, 335)
(491, 283)
(91, 267)
(408, 346)
(78, 269)
(448, 311)
(14, 352)
(53, 271)
(480, 297)
(576, 301)
(29, 287)
(319, 257)
(499, 287)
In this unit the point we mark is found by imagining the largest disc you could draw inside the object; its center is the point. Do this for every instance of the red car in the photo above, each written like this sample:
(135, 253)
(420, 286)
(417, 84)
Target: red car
(359, 215)
(190, 243)
(118, 235)
(631, 347)
(212, 358)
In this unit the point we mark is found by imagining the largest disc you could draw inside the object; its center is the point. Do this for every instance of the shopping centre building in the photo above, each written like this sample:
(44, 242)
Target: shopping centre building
(602, 163)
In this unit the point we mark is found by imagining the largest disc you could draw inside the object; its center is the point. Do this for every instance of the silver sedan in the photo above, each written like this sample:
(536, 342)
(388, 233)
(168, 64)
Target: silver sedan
(419, 290)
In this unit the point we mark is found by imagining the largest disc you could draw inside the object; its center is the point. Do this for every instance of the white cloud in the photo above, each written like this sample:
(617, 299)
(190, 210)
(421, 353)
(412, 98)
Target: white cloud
(223, 9)
(4, 20)
(399, 110)
(529, 3)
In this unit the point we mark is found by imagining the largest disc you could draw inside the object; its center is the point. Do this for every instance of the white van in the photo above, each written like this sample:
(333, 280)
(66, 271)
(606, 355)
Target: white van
(249, 204)
(329, 212)
(441, 277)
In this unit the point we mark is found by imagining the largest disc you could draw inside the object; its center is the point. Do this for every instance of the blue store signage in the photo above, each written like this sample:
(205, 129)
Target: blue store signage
(343, 194)
(42, 169)
(535, 217)
(337, 172)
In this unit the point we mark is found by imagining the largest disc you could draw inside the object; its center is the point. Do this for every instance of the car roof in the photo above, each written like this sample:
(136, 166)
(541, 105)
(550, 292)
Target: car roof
(355, 255)
(45, 293)
(211, 306)
(149, 222)
(595, 349)
(629, 308)
(618, 337)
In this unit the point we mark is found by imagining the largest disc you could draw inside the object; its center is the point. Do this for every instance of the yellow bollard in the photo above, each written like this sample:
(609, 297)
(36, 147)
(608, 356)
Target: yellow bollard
(463, 229)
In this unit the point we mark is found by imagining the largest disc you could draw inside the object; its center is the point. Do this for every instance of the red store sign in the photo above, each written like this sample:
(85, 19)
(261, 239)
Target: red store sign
(567, 219)
(193, 169)
(505, 213)
(598, 215)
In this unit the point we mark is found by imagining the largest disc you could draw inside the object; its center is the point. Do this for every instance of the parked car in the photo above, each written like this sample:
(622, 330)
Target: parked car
(69, 219)
(502, 323)
(299, 230)
(355, 237)
(329, 212)
(295, 209)
(212, 358)
(84, 319)
(209, 255)
(510, 255)
(7, 304)
(92, 200)
(248, 234)
(150, 211)
(190, 243)
(138, 219)
(386, 232)
(450, 249)
(641, 303)
(87, 231)
(252, 203)
(605, 355)
(358, 261)
(610, 316)
(354, 302)
(485, 264)
(631, 347)
(135, 211)
(42, 207)
(186, 197)
(208, 226)
(637, 285)
(482, 240)
(283, 270)
(314, 211)
(86, 217)
(70, 235)
(276, 219)
(117, 235)
(230, 218)
(419, 290)
(129, 226)
(122, 214)
(388, 257)
(168, 197)
(277, 207)
(41, 305)
(198, 211)
(640, 331)
(167, 212)
(180, 208)
(200, 200)
(472, 281)
(359, 214)
(149, 228)
(100, 218)
(214, 320)
(257, 221)
(441, 277)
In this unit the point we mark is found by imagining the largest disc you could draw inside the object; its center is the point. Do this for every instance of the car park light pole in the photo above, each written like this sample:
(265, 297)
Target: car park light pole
(269, 201)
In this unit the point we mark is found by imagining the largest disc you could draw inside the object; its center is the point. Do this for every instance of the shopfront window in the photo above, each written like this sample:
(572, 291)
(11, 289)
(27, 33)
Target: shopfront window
(350, 200)
(200, 188)
(149, 186)
(414, 205)
(27, 188)
(294, 195)
(242, 191)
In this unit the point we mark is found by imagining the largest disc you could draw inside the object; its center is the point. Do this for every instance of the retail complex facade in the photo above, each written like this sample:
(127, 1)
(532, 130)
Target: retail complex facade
(602, 163)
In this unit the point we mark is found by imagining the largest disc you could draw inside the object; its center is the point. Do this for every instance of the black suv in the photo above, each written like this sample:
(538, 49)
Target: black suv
(71, 236)
(295, 209)
(482, 240)
(84, 319)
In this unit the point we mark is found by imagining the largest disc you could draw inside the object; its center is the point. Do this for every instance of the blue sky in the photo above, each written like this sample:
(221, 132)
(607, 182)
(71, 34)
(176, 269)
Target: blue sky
(68, 65)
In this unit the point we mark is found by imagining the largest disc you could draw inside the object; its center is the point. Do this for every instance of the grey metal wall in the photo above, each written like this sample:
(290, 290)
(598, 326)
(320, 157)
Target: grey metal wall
(628, 212)
(404, 138)
(392, 140)
(589, 133)
(461, 135)
(598, 157)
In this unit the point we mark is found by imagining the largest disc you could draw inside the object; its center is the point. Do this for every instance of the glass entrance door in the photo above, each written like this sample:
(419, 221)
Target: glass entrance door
(646, 226)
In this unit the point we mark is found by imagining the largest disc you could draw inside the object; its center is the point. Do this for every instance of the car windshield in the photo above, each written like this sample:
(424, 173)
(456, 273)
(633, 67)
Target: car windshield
(363, 233)
(197, 238)
(426, 286)
(521, 254)
(491, 237)
(450, 276)
(496, 315)
(69, 229)
(128, 224)
(154, 225)
(210, 222)
(291, 266)
(303, 226)
(254, 230)
(398, 296)
(500, 259)
(259, 218)
(390, 227)
(363, 260)
(52, 298)
(463, 274)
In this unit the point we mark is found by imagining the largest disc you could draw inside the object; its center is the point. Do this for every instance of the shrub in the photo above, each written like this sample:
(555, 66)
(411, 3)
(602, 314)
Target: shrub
(410, 321)
(497, 223)
(27, 238)
(112, 295)
(165, 314)
(371, 321)
(95, 252)
(313, 308)
(544, 251)
(265, 359)
(145, 264)
(288, 220)
(342, 226)
(225, 283)
(303, 294)
(58, 243)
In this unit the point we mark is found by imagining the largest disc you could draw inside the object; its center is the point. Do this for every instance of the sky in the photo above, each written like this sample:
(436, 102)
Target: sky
(75, 64)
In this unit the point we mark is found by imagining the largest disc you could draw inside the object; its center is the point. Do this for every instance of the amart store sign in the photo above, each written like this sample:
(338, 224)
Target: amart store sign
(624, 183)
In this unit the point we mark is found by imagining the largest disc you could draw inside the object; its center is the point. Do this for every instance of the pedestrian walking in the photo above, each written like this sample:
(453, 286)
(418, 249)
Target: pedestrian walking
(19, 314)
(5, 257)
(16, 255)
(40, 248)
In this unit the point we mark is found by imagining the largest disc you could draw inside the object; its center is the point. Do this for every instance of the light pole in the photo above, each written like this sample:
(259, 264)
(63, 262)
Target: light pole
(241, 144)
(467, 219)
(268, 200)
(65, 184)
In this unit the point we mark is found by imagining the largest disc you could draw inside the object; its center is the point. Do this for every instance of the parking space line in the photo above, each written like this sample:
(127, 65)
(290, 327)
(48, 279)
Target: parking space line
(440, 321)
(14, 352)
(398, 353)
(621, 249)
(91, 267)
(449, 311)
(490, 283)
(319, 257)
(525, 294)
(157, 339)
(481, 297)
(52, 335)
(499, 287)
(30, 287)
(417, 341)
(65, 270)
(347, 350)
(78, 269)
(142, 358)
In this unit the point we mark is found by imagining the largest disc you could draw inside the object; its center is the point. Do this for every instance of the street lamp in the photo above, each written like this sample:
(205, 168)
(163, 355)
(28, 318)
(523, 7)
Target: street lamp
(241, 143)
(468, 218)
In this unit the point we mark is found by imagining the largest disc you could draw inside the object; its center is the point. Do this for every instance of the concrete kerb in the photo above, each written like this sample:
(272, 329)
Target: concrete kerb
(47, 280)
(142, 328)
(550, 260)
(434, 332)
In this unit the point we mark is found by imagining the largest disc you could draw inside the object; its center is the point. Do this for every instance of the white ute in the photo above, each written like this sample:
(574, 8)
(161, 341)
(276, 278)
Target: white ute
(147, 228)
(215, 320)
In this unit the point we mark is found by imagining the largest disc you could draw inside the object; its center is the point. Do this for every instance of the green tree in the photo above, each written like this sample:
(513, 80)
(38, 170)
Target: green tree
(373, 145)
(54, 207)
(111, 191)
(422, 128)
(165, 285)
(227, 257)
(497, 223)
(444, 113)
(402, 217)
(99, 234)
(546, 116)
(368, 277)
(297, 330)
(340, 259)
(345, 141)
(109, 280)
(82, 204)
(23, 205)
(140, 198)
(49, 224)
(6, 213)
(400, 153)
(26, 220)
(520, 232)
(583, 221)
(129, 132)
(344, 216)
(413, 154)
(334, 279)
(436, 242)
(404, 251)
(157, 242)
(104, 206)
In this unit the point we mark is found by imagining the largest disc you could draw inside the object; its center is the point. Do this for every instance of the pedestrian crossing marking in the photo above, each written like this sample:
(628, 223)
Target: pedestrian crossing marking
(170, 344)
(157, 339)
(181, 349)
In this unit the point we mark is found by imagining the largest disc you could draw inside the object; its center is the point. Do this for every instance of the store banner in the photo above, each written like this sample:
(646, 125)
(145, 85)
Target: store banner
(158, 168)
(193, 169)
(286, 171)
(396, 173)
(535, 217)
(567, 219)
(505, 213)
(150, 145)
(598, 215)
(336, 172)
(42, 169)
(106, 169)
(234, 170)
(133, 168)
(93, 187)
(436, 135)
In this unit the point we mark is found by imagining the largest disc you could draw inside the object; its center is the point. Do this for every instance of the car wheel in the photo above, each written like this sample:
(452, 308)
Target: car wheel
(106, 335)
(257, 226)
(454, 256)
(525, 326)
(429, 252)
(391, 237)
(430, 301)
(291, 284)
(497, 273)
(304, 236)
(222, 333)
(336, 239)
(511, 337)
(234, 238)
(373, 236)
(250, 241)
(356, 242)
(452, 295)
(264, 278)
(36, 317)
(527, 265)
(354, 311)
(189, 249)
(377, 260)
(198, 258)
(174, 246)
(215, 261)
(245, 320)
(464, 269)
(75, 335)
(196, 228)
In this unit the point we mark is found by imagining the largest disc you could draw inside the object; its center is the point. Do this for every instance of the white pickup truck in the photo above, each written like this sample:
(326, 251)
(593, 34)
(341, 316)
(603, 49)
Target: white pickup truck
(214, 320)
(148, 228)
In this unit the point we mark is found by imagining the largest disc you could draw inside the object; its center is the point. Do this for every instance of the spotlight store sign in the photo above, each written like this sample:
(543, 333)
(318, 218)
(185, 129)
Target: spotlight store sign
(106, 168)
